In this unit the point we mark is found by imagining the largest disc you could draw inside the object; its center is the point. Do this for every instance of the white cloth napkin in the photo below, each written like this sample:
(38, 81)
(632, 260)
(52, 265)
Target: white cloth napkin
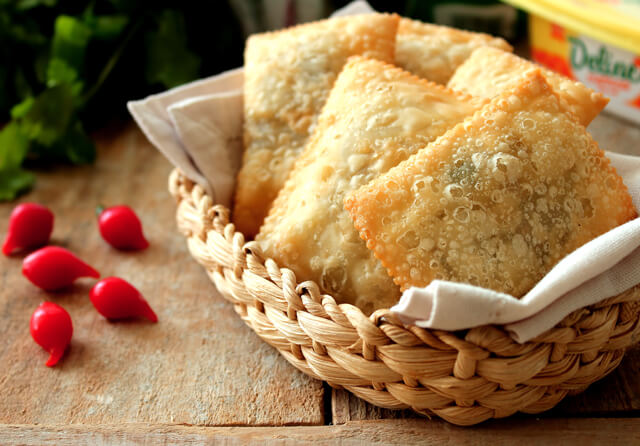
(602, 268)
(198, 127)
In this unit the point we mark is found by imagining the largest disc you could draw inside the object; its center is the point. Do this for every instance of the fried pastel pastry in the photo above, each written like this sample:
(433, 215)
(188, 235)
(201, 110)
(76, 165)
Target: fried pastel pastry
(376, 116)
(434, 52)
(288, 76)
(490, 71)
(497, 201)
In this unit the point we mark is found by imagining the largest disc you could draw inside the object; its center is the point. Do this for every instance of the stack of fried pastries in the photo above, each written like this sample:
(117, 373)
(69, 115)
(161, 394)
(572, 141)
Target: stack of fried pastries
(369, 179)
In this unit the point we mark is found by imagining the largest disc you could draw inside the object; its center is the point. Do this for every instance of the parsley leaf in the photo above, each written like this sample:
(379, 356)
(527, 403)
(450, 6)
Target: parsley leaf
(169, 61)
(47, 119)
(77, 146)
(53, 130)
(13, 146)
(106, 27)
(13, 149)
(21, 109)
(67, 66)
(13, 182)
(70, 41)
(24, 5)
(59, 72)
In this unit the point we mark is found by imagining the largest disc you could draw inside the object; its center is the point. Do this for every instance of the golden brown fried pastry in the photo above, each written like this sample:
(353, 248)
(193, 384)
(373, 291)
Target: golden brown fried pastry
(434, 52)
(288, 75)
(497, 201)
(376, 116)
(490, 71)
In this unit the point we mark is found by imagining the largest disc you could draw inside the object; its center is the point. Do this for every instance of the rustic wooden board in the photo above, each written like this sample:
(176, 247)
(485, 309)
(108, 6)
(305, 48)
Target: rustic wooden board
(585, 431)
(199, 365)
(617, 393)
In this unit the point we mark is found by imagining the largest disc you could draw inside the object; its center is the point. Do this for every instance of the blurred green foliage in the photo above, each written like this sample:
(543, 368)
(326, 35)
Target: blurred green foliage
(68, 66)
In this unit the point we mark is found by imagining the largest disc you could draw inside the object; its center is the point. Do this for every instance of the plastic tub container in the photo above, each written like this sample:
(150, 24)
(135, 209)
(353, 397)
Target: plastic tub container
(596, 42)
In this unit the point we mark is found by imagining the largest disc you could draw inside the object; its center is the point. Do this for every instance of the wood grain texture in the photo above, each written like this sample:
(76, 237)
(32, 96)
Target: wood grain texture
(346, 407)
(585, 431)
(199, 365)
(617, 393)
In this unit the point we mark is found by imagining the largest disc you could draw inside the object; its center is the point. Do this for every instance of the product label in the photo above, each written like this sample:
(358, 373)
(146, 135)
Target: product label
(605, 68)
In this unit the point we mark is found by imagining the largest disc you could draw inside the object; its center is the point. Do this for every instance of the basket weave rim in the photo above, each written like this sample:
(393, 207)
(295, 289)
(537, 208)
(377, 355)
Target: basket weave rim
(465, 377)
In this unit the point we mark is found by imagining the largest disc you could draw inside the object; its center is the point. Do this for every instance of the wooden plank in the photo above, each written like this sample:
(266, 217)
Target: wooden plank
(199, 365)
(583, 431)
(346, 407)
(619, 392)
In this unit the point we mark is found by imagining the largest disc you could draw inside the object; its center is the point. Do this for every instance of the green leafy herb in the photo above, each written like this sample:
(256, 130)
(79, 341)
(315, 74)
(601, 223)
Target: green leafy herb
(48, 115)
(66, 67)
(106, 27)
(24, 5)
(70, 41)
(60, 73)
(13, 148)
(77, 145)
(13, 182)
(169, 62)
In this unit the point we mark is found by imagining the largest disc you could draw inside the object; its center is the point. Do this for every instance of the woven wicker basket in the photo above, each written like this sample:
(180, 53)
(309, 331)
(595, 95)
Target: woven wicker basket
(464, 377)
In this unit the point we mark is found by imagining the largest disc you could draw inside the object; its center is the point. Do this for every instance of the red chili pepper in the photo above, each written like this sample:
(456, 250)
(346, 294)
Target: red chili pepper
(30, 226)
(121, 228)
(115, 298)
(52, 268)
(52, 329)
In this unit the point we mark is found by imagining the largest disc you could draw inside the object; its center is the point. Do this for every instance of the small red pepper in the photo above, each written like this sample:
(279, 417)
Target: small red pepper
(30, 226)
(121, 228)
(52, 268)
(51, 328)
(115, 298)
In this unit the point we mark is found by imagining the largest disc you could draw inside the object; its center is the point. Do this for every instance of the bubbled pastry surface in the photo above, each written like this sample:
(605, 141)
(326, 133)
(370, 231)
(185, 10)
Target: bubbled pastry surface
(288, 75)
(497, 201)
(491, 71)
(376, 116)
(434, 52)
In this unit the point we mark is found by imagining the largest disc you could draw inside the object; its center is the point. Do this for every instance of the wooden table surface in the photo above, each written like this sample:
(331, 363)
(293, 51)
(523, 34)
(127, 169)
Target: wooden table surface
(200, 376)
